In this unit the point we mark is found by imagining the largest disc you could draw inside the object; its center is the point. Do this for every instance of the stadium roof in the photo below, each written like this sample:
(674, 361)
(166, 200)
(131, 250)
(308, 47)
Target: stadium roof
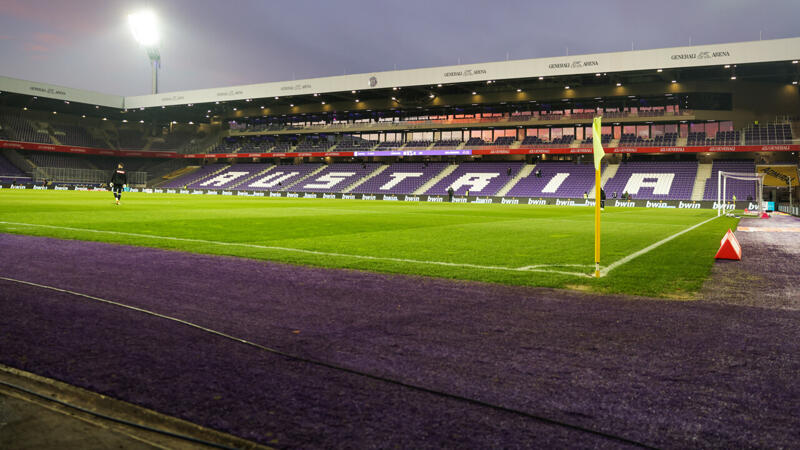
(616, 62)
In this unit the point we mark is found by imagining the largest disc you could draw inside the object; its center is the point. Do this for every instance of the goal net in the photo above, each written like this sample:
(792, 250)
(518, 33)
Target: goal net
(727, 189)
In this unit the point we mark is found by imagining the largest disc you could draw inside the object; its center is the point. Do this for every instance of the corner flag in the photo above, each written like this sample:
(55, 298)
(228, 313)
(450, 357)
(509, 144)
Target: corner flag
(598, 158)
(597, 142)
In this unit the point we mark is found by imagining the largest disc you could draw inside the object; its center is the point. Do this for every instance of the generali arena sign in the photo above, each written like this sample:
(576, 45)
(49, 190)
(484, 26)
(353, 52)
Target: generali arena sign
(673, 149)
(86, 150)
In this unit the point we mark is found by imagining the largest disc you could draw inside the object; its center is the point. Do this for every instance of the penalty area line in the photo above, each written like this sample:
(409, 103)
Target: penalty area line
(626, 259)
(537, 268)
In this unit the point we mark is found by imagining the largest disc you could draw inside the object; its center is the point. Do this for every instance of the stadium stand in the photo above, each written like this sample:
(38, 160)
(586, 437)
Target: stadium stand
(173, 141)
(557, 179)
(420, 144)
(282, 146)
(768, 134)
(504, 141)
(386, 145)
(475, 142)
(50, 159)
(605, 139)
(335, 177)
(20, 129)
(314, 145)
(725, 138)
(447, 143)
(654, 180)
(232, 176)
(401, 178)
(563, 141)
(696, 138)
(76, 135)
(228, 145)
(10, 173)
(194, 178)
(279, 178)
(130, 139)
(531, 141)
(742, 189)
(480, 178)
(350, 143)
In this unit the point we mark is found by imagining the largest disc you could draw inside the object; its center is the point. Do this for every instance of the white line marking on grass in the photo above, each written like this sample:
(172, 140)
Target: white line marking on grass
(614, 265)
(538, 268)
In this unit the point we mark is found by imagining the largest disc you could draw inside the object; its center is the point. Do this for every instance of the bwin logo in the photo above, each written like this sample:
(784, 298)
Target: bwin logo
(724, 205)
(688, 205)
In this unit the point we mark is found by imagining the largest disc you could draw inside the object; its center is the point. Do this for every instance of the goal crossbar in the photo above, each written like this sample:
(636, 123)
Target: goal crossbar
(722, 185)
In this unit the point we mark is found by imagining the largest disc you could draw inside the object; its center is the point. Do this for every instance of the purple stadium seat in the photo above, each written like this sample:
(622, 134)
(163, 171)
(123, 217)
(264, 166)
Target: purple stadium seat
(401, 178)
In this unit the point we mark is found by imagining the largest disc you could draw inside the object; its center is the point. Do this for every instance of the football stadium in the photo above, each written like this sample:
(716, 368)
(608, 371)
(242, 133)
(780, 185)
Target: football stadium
(581, 251)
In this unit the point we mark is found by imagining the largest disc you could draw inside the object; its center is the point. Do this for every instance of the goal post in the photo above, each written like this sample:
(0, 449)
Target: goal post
(722, 188)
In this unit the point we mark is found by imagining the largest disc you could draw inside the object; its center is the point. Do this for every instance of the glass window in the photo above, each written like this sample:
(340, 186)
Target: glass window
(712, 128)
(544, 134)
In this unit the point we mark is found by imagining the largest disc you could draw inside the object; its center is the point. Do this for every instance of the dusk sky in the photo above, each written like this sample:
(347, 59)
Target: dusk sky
(87, 44)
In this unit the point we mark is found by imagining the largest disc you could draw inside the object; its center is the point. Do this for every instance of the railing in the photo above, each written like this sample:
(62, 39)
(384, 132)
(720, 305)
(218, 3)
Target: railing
(438, 122)
(793, 209)
(94, 176)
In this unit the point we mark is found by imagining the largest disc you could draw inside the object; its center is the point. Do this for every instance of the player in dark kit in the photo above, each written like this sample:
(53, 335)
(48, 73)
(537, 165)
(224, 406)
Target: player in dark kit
(118, 182)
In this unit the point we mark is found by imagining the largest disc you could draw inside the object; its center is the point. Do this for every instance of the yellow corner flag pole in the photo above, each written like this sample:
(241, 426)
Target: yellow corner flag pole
(598, 158)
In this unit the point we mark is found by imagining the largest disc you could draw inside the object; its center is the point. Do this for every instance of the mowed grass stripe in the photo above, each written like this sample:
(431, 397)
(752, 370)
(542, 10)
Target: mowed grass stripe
(464, 236)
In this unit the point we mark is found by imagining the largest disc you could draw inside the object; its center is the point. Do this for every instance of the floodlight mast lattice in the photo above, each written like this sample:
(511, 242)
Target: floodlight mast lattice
(144, 26)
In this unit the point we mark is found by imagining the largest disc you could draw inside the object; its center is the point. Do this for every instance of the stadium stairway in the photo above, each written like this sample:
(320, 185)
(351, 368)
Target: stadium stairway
(320, 169)
(252, 177)
(608, 173)
(703, 174)
(19, 161)
(363, 180)
(176, 174)
(432, 182)
(522, 174)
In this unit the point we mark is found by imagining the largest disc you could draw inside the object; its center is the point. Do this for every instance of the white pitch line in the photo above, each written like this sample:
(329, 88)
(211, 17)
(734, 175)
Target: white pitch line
(310, 252)
(614, 265)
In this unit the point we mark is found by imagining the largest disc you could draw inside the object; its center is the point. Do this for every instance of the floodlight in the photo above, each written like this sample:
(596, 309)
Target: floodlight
(144, 26)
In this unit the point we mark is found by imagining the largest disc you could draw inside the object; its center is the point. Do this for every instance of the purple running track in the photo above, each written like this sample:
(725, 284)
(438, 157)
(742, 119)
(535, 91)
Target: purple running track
(669, 374)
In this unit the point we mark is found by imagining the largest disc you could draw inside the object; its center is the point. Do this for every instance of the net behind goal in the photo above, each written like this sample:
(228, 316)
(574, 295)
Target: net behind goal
(726, 193)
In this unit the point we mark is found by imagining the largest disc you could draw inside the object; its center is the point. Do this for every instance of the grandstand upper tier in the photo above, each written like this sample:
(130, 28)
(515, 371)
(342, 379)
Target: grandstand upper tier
(735, 97)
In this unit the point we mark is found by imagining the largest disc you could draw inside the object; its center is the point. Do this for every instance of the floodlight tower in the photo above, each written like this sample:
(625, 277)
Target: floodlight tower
(144, 25)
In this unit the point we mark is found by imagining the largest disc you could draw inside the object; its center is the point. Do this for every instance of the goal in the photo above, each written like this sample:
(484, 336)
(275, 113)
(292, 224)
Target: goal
(723, 197)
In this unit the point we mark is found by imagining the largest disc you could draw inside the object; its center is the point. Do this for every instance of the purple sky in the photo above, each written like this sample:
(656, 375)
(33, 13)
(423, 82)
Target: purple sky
(86, 43)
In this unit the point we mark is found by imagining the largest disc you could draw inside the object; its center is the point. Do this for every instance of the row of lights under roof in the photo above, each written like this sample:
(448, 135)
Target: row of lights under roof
(726, 66)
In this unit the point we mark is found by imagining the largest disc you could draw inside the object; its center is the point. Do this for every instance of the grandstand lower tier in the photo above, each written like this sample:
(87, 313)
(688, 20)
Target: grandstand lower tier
(677, 180)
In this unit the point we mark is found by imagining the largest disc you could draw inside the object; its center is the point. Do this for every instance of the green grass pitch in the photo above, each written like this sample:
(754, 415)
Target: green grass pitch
(550, 246)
